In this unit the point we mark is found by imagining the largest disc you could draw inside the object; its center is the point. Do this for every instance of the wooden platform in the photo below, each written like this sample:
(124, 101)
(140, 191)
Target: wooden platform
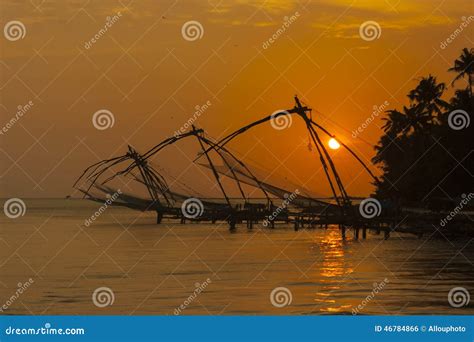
(418, 224)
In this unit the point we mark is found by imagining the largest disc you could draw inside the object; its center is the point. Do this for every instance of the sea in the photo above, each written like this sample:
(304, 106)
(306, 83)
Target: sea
(56, 260)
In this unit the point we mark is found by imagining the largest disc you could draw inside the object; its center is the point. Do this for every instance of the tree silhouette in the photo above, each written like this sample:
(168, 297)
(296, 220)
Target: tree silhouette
(423, 159)
(464, 67)
(426, 97)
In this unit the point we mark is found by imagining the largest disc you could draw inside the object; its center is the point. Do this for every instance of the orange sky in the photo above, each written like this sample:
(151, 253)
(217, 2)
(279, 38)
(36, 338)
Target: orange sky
(144, 72)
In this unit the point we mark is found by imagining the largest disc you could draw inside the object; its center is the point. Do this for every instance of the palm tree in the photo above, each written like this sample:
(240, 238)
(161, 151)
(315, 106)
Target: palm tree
(411, 119)
(408, 140)
(394, 122)
(426, 97)
(416, 120)
(462, 99)
(464, 66)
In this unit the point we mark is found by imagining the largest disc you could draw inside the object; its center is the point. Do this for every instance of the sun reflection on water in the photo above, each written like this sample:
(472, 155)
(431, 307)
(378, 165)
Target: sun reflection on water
(334, 263)
(334, 268)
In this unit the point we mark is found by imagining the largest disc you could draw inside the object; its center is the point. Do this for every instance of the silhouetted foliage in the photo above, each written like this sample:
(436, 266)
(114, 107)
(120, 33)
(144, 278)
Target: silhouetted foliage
(423, 159)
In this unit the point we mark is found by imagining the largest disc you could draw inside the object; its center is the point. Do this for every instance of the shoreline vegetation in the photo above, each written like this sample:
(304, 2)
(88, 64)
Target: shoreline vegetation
(425, 152)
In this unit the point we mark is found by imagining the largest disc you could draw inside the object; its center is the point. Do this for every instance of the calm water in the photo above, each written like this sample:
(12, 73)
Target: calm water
(154, 269)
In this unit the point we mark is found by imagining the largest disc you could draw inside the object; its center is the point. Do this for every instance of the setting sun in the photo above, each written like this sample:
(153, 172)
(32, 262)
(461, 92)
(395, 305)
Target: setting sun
(333, 144)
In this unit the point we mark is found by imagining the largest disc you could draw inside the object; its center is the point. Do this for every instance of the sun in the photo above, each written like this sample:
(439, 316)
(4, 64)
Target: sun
(333, 144)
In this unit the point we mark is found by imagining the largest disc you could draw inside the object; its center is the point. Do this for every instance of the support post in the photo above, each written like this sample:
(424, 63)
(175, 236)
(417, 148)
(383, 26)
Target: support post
(159, 217)
(232, 222)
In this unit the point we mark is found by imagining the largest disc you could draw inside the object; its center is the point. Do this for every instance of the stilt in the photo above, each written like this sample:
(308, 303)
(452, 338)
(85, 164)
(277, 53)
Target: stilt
(159, 217)
(356, 233)
(232, 222)
(343, 232)
(364, 233)
(386, 234)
